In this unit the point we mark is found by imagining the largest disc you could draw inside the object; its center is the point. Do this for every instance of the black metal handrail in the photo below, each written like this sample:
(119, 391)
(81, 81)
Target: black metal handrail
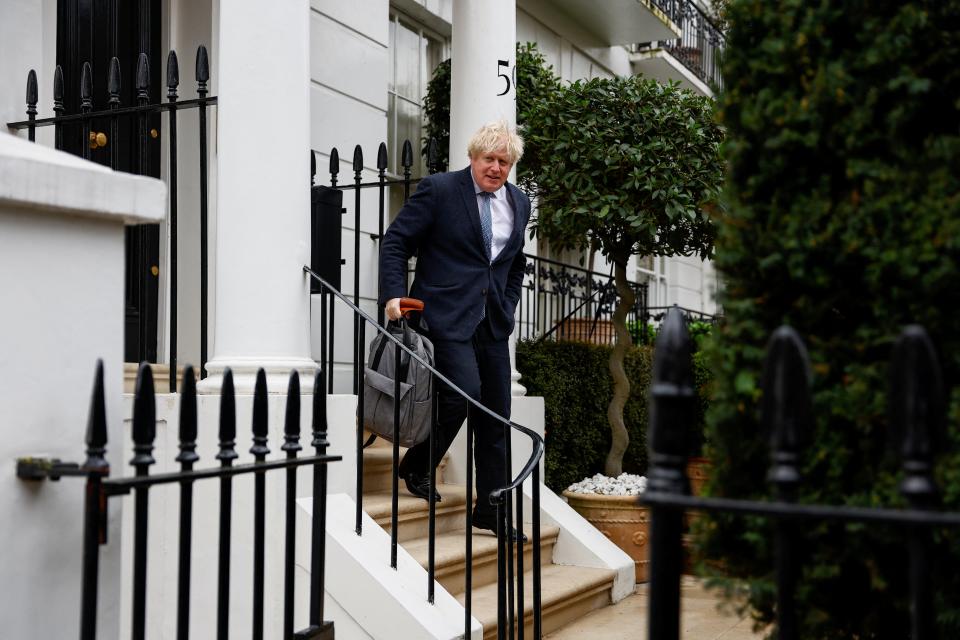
(917, 416)
(500, 497)
(100, 487)
(140, 112)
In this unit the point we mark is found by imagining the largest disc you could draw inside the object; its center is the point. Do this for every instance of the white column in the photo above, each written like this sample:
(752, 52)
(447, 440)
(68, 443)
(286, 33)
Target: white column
(263, 203)
(483, 70)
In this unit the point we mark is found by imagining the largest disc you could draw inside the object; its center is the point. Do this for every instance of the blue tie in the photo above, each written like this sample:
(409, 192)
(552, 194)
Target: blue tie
(486, 222)
(486, 228)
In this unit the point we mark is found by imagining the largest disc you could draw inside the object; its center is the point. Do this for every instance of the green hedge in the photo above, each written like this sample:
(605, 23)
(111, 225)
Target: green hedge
(575, 383)
(843, 220)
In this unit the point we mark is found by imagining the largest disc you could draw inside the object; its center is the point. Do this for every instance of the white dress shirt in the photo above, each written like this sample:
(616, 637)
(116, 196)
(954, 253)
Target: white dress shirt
(501, 214)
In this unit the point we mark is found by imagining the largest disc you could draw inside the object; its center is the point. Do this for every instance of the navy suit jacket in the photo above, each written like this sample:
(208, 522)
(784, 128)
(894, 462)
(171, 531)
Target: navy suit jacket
(440, 224)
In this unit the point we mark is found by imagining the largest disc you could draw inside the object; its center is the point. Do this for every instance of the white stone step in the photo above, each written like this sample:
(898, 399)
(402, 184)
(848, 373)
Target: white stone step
(567, 593)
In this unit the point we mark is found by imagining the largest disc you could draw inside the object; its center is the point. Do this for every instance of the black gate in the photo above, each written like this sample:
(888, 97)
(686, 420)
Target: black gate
(98, 31)
(103, 118)
(101, 487)
(916, 416)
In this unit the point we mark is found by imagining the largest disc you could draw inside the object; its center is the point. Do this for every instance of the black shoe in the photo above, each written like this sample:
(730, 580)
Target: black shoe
(417, 484)
(488, 522)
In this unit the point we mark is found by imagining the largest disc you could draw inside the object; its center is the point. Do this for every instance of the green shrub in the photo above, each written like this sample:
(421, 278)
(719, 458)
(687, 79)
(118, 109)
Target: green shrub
(574, 380)
(843, 221)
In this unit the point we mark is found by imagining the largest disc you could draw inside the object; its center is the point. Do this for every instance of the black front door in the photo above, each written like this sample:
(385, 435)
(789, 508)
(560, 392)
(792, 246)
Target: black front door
(95, 31)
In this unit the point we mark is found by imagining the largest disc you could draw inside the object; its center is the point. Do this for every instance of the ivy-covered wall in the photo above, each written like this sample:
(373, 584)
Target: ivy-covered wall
(843, 220)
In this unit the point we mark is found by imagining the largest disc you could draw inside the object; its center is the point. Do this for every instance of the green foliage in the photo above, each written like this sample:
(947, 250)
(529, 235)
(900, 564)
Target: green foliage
(575, 383)
(629, 163)
(646, 333)
(535, 79)
(843, 221)
(436, 110)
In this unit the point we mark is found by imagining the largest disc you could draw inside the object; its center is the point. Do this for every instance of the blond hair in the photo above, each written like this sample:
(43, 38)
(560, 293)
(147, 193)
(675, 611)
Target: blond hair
(494, 136)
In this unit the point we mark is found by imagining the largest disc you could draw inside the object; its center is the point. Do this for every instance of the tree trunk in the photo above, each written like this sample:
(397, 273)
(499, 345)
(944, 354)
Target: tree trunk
(619, 438)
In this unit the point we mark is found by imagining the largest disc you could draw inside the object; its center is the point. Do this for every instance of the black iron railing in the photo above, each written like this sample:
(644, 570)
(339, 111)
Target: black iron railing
(509, 583)
(565, 302)
(558, 300)
(74, 133)
(381, 184)
(699, 46)
(101, 487)
(917, 411)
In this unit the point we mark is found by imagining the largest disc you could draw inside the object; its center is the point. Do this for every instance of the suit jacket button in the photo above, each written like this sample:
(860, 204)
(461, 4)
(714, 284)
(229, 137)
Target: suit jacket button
(483, 292)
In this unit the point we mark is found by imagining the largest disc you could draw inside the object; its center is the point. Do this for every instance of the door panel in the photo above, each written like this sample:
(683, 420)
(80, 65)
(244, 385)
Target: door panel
(95, 31)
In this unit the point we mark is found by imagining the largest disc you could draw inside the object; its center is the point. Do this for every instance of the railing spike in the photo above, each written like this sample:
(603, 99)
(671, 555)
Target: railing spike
(334, 166)
(203, 66)
(86, 87)
(259, 447)
(228, 418)
(97, 425)
(58, 88)
(291, 425)
(916, 409)
(382, 156)
(406, 155)
(144, 418)
(113, 81)
(357, 159)
(188, 417)
(32, 92)
(785, 408)
(917, 419)
(672, 389)
(672, 410)
(143, 76)
(173, 74)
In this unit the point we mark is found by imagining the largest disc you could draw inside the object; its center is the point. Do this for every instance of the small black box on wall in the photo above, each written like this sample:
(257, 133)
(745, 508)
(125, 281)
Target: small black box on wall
(326, 213)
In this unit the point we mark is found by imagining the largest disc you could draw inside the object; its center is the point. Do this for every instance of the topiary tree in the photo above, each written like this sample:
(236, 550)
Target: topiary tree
(629, 166)
(843, 221)
(535, 79)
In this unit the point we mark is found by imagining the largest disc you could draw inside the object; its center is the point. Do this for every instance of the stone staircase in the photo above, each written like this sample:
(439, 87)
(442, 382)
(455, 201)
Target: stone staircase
(567, 592)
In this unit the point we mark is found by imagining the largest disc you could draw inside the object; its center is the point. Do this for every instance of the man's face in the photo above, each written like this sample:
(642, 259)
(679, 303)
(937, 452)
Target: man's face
(490, 169)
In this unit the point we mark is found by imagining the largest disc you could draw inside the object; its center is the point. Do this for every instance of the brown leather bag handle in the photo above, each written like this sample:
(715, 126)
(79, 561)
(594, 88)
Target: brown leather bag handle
(410, 304)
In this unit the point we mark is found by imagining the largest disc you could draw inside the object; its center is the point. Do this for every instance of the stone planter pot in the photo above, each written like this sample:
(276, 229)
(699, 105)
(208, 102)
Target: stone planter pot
(586, 330)
(622, 519)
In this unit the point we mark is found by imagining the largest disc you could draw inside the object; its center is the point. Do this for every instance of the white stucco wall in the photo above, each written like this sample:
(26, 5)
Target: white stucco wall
(349, 71)
(61, 277)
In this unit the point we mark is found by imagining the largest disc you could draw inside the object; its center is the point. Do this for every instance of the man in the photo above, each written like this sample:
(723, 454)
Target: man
(466, 228)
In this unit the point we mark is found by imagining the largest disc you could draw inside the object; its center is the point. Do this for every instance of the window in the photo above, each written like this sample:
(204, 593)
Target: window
(414, 53)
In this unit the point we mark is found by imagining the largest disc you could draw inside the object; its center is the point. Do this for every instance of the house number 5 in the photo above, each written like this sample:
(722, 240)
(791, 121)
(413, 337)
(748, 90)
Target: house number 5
(504, 65)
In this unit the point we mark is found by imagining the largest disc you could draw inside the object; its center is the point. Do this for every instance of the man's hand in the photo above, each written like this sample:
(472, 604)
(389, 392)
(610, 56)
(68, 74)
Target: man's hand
(393, 309)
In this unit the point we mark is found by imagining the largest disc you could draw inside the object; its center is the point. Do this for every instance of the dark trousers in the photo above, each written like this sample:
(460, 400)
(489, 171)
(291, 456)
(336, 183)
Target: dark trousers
(481, 367)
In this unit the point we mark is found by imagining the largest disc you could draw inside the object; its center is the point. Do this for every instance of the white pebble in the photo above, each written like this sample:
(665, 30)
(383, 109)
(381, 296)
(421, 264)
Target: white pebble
(625, 484)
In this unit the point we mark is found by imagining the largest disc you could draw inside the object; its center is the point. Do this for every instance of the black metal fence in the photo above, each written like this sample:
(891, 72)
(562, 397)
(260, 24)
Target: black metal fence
(565, 302)
(101, 487)
(137, 125)
(382, 184)
(700, 44)
(916, 413)
(511, 603)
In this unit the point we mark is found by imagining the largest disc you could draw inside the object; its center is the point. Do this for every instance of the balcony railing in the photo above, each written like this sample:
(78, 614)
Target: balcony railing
(700, 43)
